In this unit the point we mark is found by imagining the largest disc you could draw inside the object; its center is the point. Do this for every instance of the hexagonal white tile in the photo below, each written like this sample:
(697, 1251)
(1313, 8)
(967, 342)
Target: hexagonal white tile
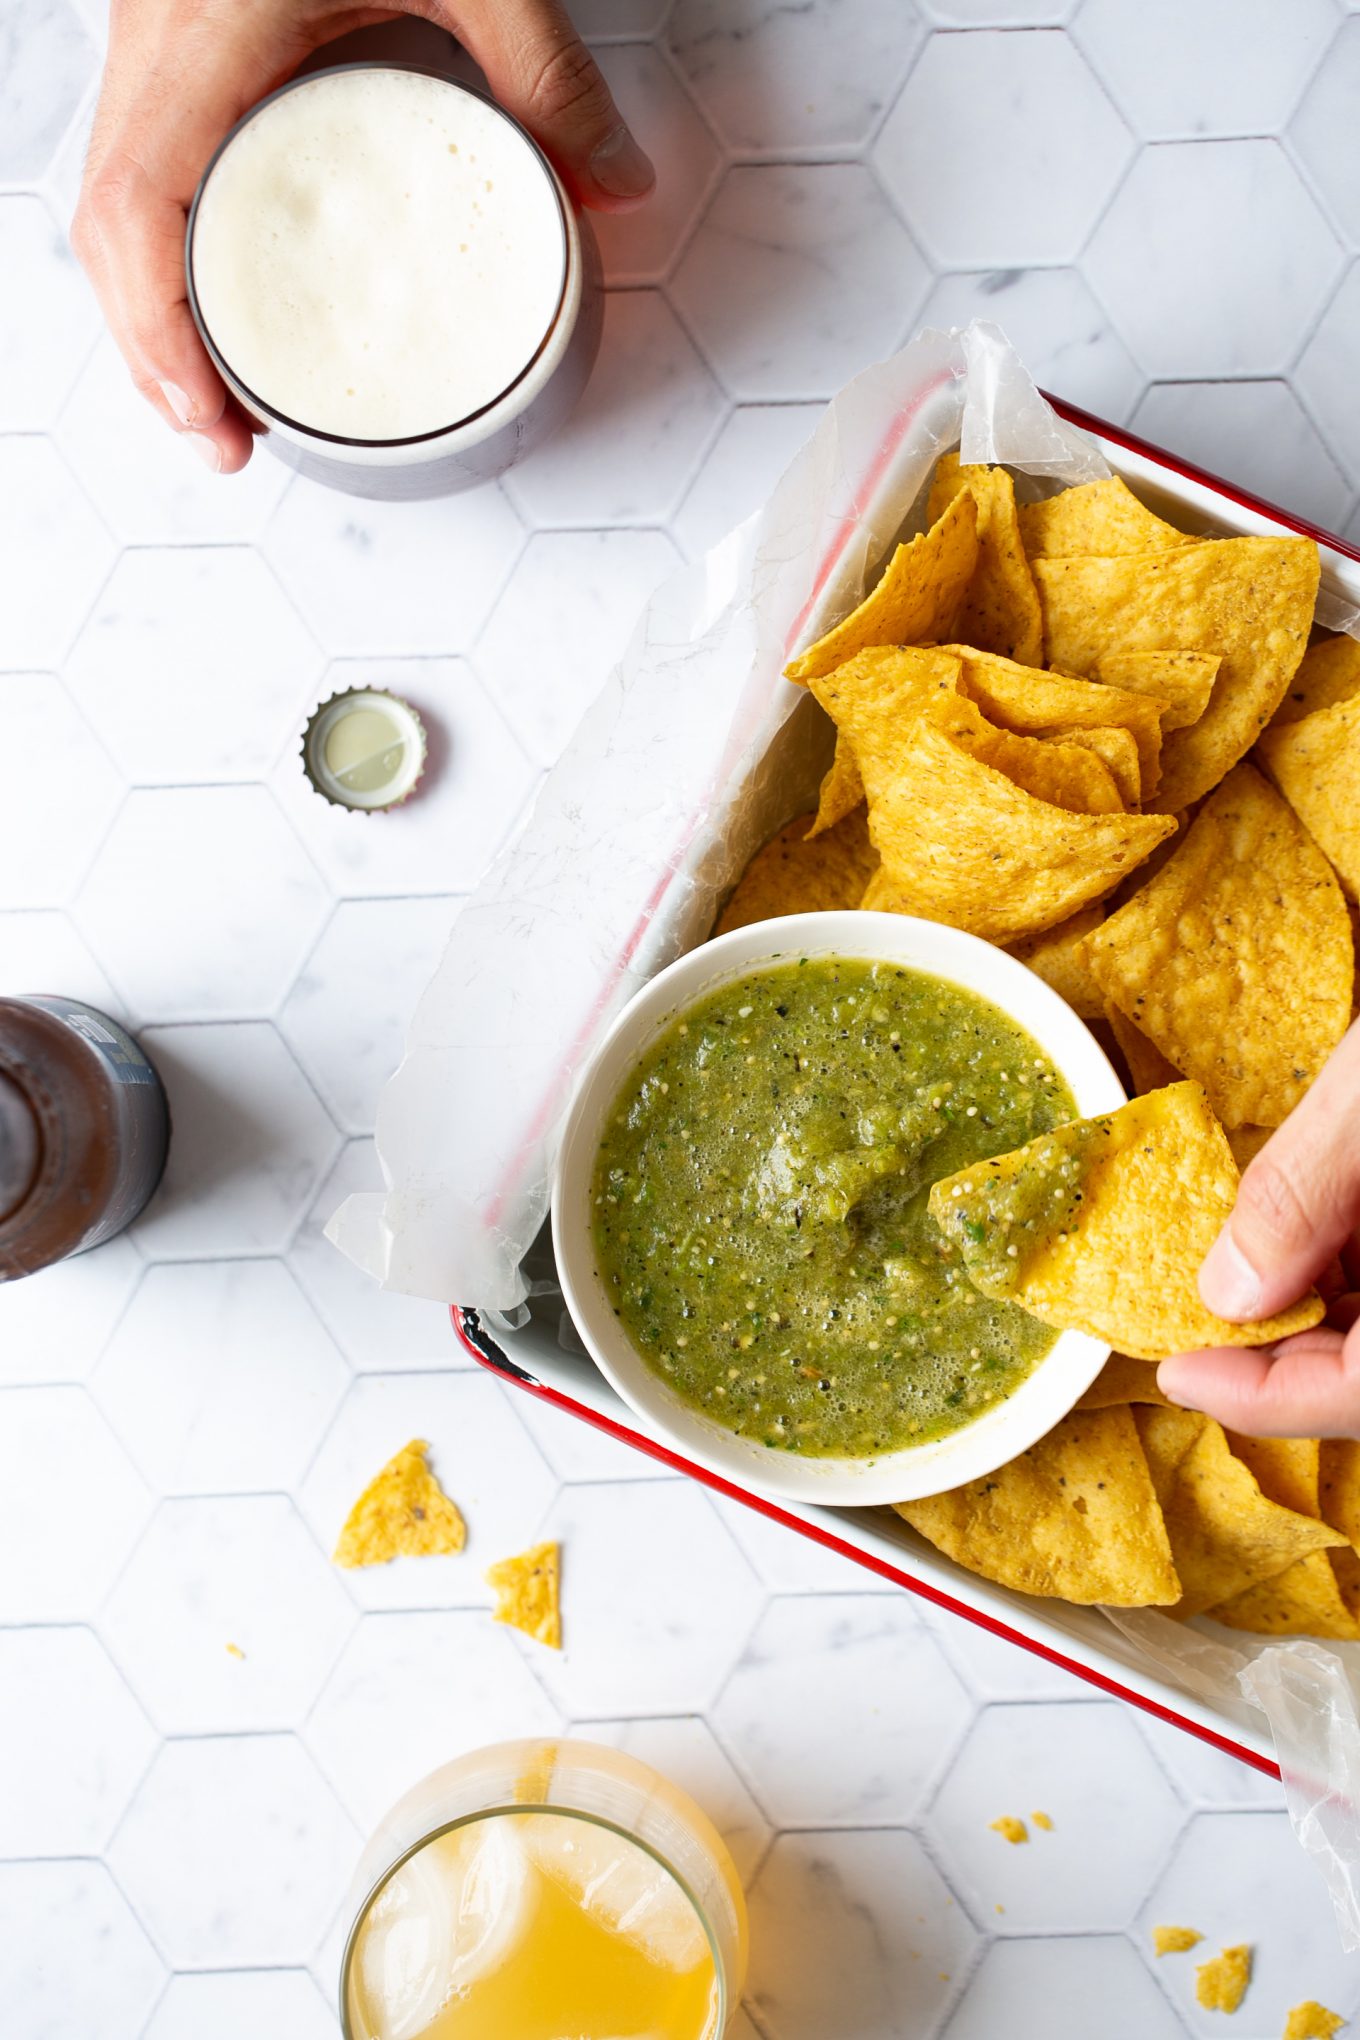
(740, 470)
(1203, 1775)
(149, 486)
(1064, 338)
(1243, 1877)
(53, 819)
(568, 610)
(1325, 375)
(798, 275)
(1227, 302)
(1084, 1765)
(657, 1601)
(50, 1438)
(476, 783)
(580, 1451)
(48, 321)
(1005, 203)
(1030, 1990)
(1225, 67)
(414, 1691)
(235, 1851)
(225, 2005)
(685, 1750)
(790, 1563)
(46, 61)
(51, 1910)
(999, 13)
(74, 1747)
(1314, 132)
(628, 449)
(193, 666)
(618, 20)
(995, 1669)
(482, 1456)
(250, 1141)
(393, 577)
(41, 952)
(55, 1324)
(879, 1710)
(640, 246)
(56, 551)
(1254, 433)
(202, 902)
(238, 1571)
(853, 1933)
(763, 77)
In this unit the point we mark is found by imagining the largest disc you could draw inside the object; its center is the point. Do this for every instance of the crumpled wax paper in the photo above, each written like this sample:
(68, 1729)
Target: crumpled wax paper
(694, 752)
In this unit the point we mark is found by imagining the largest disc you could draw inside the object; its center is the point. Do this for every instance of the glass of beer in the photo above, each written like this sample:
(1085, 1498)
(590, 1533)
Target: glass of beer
(391, 278)
(537, 1889)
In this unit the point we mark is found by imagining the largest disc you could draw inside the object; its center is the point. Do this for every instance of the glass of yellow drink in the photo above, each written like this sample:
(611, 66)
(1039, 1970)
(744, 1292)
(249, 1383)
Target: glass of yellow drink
(544, 1889)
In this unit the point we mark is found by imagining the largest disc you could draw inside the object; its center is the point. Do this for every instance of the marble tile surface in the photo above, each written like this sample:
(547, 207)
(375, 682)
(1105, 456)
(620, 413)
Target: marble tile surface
(1162, 206)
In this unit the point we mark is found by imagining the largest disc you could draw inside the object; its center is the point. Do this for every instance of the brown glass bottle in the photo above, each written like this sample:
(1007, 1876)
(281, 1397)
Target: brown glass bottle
(84, 1129)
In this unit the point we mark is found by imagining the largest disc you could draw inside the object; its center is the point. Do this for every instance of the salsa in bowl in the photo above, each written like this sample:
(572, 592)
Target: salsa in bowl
(739, 1211)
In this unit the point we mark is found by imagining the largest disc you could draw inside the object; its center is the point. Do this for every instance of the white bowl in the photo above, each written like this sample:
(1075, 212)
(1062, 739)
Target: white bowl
(979, 1447)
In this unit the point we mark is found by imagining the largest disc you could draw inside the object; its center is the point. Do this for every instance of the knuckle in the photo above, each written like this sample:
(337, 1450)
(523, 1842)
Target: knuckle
(565, 83)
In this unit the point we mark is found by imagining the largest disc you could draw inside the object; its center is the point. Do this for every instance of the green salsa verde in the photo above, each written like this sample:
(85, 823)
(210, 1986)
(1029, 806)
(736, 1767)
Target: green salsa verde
(759, 1204)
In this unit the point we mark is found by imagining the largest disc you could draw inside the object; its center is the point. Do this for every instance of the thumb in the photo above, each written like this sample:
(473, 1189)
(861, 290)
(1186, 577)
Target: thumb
(1298, 1202)
(540, 71)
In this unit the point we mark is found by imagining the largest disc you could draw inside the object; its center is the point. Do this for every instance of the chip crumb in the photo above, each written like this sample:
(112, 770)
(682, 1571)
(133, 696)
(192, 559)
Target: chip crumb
(1312, 2021)
(528, 1589)
(1041, 1820)
(1174, 1940)
(1221, 1982)
(1012, 1829)
(1001, 1908)
(235, 1650)
(403, 1512)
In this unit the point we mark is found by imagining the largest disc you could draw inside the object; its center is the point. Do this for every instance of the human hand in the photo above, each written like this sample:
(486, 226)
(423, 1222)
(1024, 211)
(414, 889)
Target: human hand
(1296, 1221)
(180, 73)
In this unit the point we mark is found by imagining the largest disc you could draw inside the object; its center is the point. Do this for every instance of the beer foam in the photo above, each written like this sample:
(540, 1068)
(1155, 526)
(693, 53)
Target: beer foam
(378, 254)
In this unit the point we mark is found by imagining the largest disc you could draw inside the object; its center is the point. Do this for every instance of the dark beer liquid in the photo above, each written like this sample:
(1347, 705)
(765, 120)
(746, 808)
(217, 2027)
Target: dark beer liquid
(84, 1129)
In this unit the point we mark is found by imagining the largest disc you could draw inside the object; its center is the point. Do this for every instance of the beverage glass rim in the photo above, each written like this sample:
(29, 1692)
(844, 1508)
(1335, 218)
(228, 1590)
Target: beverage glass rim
(236, 382)
(495, 1812)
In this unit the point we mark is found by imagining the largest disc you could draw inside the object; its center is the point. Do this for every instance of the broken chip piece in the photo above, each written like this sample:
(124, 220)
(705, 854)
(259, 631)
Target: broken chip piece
(402, 1513)
(528, 1591)
(1174, 1940)
(1009, 1828)
(1221, 1982)
(1312, 2021)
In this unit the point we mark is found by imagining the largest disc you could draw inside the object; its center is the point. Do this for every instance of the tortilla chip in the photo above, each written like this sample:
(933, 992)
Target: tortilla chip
(1001, 606)
(1329, 672)
(1286, 1469)
(1246, 1142)
(1303, 1600)
(1119, 750)
(842, 789)
(1074, 1518)
(1058, 958)
(916, 600)
(1236, 959)
(1149, 1069)
(1312, 2021)
(1221, 1983)
(1181, 681)
(527, 1587)
(1095, 517)
(1316, 765)
(794, 874)
(1339, 1486)
(1009, 1828)
(1131, 1204)
(1064, 774)
(1225, 1535)
(1037, 703)
(874, 698)
(961, 844)
(1248, 599)
(1174, 1940)
(1346, 1567)
(402, 1513)
(1124, 1380)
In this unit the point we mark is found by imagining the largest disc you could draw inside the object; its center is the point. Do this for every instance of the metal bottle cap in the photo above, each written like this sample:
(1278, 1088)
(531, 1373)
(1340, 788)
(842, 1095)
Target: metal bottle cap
(364, 749)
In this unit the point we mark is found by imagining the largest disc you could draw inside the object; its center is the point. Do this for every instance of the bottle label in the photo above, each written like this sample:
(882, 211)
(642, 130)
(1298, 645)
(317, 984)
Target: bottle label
(126, 1063)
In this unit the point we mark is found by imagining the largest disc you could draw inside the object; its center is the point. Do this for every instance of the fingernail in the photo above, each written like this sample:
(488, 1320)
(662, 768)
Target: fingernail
(208, 450)
(1228, 1282)
(619, 166)
(184, 408)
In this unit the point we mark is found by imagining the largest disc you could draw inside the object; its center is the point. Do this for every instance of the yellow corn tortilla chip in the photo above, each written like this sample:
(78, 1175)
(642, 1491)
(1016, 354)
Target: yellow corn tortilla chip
(1074, 1518)
(1346, 1567)
(961, 843)
(1058, 958)
(402, 1513)
(1329, 672)
(1246, 1142)
(1221, 1982)
(1033, 702)
(1094, 517)
(1125, 1207)
(1339, 1485)
(527, 1587)
(1064, 774)
(874, 698)
(1316, 765)
(1174, 1940)
(1009, 1828)
(1236, 959)
(1250, 600)
(1117, 747)
(1304, 1600)
(1286, 1469)
(795, 874)
(1149, 1069)
(842, 789)
(1124, 1380)
(916, 600)
(1312, 2021)
(1225, 1535)
(1000, 610)
(1180, 682)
